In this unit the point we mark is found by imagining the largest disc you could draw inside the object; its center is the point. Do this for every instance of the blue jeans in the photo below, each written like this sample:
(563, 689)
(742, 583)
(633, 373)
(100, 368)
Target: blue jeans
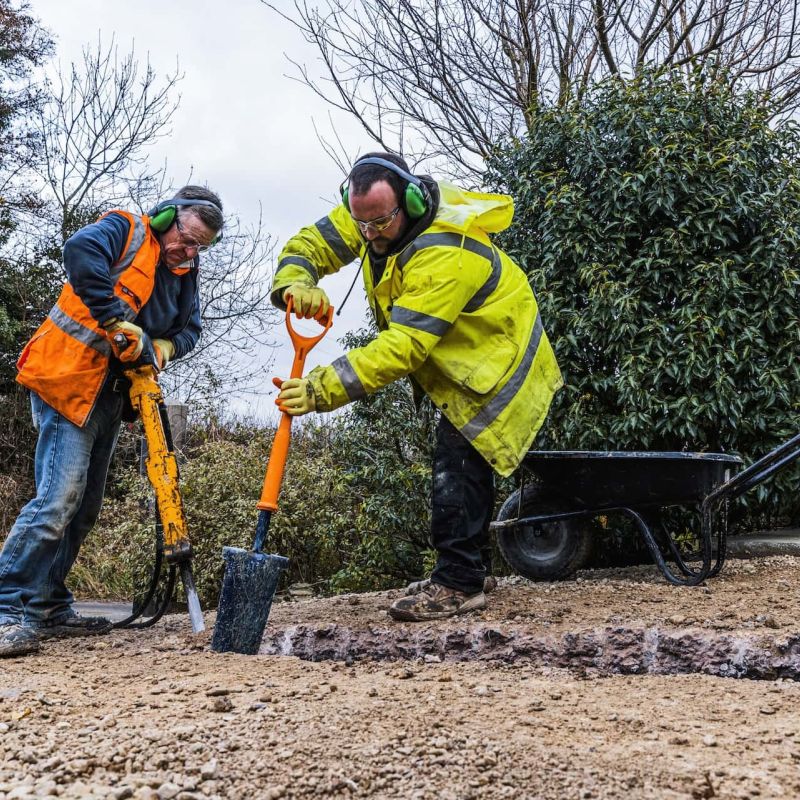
(70, 466)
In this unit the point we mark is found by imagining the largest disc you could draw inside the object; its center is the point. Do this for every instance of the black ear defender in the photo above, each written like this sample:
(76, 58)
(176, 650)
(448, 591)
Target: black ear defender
(164, 214)
(416, 199)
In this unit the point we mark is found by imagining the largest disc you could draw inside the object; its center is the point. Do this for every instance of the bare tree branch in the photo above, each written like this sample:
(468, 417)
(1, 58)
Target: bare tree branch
(233, 351)
(447, 79)
(102, 117)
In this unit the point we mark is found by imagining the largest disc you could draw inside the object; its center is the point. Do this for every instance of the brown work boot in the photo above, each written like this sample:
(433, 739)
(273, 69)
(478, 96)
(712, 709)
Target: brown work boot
(415, 587)
(435, 602)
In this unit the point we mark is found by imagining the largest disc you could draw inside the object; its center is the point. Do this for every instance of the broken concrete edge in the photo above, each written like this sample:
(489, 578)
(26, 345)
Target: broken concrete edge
(605, 651)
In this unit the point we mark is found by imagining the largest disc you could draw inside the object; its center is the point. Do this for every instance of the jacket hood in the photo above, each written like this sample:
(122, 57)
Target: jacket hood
(462, 209)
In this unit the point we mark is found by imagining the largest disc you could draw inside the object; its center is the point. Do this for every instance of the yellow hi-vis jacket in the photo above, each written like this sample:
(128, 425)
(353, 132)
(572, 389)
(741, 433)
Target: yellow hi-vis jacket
(453, 310)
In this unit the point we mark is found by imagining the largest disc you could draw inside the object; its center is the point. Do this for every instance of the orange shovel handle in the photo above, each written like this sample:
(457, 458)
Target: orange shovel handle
(280, 445)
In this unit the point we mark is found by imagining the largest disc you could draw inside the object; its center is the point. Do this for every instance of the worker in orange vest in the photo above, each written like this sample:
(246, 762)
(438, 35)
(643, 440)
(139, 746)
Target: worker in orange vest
(129, 274)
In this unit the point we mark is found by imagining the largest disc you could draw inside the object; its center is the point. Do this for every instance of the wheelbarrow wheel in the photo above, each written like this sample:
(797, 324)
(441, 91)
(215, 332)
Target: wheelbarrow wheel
(543, 551)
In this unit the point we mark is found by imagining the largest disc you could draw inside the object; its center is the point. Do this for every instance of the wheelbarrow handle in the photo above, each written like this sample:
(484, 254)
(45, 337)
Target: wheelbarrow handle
(280, 445)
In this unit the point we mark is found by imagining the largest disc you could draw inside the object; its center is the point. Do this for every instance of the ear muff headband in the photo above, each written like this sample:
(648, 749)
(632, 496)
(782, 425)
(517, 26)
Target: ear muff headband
(416, 198)
(163, 215)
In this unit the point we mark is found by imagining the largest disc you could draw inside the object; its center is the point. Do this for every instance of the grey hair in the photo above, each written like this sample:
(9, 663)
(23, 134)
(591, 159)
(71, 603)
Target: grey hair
(210, 217)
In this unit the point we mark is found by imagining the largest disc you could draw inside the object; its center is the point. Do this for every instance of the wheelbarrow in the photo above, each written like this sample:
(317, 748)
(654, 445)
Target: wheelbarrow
(544, 528)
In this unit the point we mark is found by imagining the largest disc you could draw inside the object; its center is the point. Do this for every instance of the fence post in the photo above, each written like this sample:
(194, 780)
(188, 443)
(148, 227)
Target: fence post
(178, 415)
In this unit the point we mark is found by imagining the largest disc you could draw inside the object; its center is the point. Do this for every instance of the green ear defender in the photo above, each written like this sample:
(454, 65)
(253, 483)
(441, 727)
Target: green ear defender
(163, 215)
(162, 220)
(416, 198)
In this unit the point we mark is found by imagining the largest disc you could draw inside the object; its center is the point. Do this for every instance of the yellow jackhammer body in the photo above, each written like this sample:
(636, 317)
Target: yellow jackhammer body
(162, 472)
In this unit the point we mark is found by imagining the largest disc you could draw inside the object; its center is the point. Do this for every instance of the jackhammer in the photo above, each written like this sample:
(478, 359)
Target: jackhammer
(162, 472)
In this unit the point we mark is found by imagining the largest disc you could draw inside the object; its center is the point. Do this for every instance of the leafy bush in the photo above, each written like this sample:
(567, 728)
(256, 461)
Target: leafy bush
(659, 221)
(17, 445)
(27, 292)
(386, 444)
(220, 483)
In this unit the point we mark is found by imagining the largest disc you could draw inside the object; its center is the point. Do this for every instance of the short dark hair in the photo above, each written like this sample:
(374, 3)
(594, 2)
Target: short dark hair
(362, 179)
(210, 217)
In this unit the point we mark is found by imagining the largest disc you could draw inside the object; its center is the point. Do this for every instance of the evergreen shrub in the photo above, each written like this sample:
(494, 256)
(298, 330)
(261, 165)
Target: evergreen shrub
(658, 221)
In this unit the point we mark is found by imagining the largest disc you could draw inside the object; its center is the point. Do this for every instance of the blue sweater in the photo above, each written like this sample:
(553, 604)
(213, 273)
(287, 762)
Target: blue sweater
(173, 310)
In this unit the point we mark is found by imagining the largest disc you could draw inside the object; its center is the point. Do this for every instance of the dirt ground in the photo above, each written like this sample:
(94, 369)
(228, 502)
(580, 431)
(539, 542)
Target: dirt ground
(156, 714)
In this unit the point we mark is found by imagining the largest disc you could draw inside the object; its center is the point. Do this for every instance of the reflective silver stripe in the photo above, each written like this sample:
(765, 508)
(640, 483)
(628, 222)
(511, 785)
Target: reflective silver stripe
(334, 240)
(347, 375)
(422, 322)
(96, 341)
(443, 240)
(299, 261)
(479, 298)
(137, 240)
(129, 313)
(492, 410)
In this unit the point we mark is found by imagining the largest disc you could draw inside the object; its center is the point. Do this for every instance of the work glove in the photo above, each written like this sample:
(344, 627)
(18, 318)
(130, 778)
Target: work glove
(134, 339)
(165, 351)
(309, 301)
(296, 397)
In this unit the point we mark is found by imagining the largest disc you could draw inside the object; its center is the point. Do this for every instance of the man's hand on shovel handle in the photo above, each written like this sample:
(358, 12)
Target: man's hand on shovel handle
(296, 397)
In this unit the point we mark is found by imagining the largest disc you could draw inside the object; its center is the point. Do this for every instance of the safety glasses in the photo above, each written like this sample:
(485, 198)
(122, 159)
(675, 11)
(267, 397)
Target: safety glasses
(193, 244)
(378, 225)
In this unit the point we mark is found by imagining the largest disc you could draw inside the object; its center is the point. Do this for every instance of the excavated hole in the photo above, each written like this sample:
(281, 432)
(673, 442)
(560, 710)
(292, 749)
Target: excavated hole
(606, 651)
(629, 621)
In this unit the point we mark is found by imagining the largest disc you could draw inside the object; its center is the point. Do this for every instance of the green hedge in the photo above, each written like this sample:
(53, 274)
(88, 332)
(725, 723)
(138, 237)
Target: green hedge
(658, 221)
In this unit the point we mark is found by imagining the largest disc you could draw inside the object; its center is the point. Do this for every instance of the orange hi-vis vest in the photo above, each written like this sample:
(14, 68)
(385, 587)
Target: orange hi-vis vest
(67, 360)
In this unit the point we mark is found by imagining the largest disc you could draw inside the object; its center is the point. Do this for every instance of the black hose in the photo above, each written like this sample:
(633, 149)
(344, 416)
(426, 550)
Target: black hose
(149, 594)
(138, 611)
(165, 601)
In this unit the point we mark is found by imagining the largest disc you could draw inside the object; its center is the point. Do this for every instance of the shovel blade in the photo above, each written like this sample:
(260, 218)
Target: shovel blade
(247, 590)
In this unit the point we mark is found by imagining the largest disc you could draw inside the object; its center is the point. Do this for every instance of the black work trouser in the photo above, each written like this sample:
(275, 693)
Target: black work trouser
(462, 506)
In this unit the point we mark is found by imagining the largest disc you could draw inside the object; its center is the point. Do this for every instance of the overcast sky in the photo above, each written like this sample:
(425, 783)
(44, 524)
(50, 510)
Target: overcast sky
(244, 126)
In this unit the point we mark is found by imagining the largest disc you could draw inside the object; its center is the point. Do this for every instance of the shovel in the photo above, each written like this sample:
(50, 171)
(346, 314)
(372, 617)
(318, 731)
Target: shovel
(251, 576)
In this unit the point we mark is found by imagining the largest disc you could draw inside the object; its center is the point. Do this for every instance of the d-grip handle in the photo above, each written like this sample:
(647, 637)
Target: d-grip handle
(280, 445)
(304, 344)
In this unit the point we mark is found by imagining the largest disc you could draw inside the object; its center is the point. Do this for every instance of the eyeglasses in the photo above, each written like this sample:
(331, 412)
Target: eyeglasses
(378, 225)
(189, 243)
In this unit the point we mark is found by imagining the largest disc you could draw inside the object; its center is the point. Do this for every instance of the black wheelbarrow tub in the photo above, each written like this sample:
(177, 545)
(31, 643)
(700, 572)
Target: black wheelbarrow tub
(598, 479)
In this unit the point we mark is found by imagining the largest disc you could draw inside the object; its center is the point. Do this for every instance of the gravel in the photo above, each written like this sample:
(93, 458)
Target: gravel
(155, 715)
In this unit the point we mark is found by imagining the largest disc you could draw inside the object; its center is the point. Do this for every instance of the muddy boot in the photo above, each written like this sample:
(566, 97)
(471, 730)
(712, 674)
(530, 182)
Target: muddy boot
(489, 585)
(17, 640)
(435, 602)
(76, 625)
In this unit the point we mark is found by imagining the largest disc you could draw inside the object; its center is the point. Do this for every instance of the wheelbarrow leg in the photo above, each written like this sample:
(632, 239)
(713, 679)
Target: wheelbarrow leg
(722, 534)
(691, 577)
(656, 522)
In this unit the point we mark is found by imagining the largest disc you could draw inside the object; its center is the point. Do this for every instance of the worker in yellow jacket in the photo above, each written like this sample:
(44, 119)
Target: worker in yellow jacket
(454, 313)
